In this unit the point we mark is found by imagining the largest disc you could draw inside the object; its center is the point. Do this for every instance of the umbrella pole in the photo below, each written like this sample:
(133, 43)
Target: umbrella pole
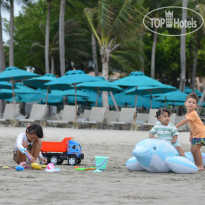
(76, 110)
(150, 99)
(114, 101)
(47, 94)
(135, 107)
(96, 103)
(165, 101)
(13, 95)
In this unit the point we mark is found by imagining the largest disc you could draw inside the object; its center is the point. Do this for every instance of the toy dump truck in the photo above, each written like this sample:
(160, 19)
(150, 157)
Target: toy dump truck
(57, 152)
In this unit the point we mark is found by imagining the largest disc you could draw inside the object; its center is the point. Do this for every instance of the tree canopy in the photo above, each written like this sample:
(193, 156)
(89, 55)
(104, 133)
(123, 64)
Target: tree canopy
(29, 43)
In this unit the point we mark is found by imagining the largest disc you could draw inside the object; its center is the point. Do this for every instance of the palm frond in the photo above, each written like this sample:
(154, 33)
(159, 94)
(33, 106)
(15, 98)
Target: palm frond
(125, 20)
(42, 28)
(37, 44)
(89, 13)
(201, 8)
(105, 18)
(122, 61)
(71, 25)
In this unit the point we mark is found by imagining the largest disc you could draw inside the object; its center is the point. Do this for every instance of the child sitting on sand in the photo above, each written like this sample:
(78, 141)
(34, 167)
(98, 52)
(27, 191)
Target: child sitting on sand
(197, 128)
(29, 143)
(166, 130)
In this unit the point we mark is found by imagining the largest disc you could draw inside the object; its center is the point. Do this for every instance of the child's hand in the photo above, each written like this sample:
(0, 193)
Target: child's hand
(32, 158)
(44, 160)
(173, 141)
(23, 150)
(152, 136)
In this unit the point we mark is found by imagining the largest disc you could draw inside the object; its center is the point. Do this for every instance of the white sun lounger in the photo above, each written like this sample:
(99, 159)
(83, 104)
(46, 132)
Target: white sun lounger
(37, 115)
(68, 117)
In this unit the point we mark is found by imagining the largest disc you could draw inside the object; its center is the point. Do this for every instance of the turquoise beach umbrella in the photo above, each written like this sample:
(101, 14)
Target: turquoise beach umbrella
(150, 90)
(5, 85)
(13, 73)
(71, 77)
(137, 79)
(19, 88)
(189, 90)
(69, 93)
(124, 100)
(40, 81)
(173, 98)
(101, 85)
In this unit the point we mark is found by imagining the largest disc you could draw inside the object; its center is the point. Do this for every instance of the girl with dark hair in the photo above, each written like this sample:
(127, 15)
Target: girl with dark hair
(29, 143)
(165, 130)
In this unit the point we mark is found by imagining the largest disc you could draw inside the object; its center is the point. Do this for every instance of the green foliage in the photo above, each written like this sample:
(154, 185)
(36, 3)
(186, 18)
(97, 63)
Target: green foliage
(30, 31)
(111, 19)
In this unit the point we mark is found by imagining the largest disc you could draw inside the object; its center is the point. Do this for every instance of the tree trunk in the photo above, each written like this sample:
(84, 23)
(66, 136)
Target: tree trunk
(2, 57)
(141, 52)
(183, 49)
(95, 59)
(153, 55)
(11, 42)
(52, 64)
(193, 78)
(105, 57)
(47, 37)
(61, 37)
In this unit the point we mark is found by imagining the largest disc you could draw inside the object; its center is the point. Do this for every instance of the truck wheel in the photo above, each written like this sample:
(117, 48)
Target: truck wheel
(54, 160)
(72, 161)
(79, 161)
(60, 161)
(48, 159)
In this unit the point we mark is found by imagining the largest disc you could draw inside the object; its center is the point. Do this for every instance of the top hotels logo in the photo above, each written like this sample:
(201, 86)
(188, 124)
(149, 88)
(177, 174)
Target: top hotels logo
(168, 21)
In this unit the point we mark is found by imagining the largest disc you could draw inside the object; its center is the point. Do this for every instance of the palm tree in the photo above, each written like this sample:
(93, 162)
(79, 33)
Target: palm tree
(183, 48)
(94, 52)
(114, 26)
(47, 37)
(111, 23)
(11, 34)
(2, 57)
(154, 4)
(153, 54)
(62, 37)
(11, 30)
(198, 38)
(141, 49)
(53, 48)
(71, 32)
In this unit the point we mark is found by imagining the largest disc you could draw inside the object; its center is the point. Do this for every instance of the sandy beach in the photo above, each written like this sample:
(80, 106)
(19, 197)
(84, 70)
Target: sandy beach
(115, 185)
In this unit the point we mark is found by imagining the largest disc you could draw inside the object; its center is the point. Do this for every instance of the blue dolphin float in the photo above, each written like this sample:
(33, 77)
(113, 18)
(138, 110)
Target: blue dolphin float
(155, 155)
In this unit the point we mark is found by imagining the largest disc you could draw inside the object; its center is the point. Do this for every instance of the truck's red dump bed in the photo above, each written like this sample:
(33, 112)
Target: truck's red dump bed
(55, 146)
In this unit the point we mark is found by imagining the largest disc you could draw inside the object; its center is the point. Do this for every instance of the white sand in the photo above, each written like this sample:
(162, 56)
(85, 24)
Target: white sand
(116, 185)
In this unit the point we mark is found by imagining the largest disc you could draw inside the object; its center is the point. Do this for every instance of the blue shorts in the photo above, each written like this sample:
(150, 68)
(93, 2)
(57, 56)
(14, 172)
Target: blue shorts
(195, 141)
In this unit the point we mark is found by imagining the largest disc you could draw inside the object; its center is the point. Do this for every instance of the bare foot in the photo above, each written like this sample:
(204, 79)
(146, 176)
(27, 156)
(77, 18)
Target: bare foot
(200, 168)
(23, 164)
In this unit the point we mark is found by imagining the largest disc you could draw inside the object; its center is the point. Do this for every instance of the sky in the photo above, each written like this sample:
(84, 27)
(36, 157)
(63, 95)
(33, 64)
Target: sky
(6, 15)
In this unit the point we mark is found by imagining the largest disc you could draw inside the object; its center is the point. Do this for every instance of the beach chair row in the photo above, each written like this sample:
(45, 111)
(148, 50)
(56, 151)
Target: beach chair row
(94, 118)
(12, 116)
(97, 117)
